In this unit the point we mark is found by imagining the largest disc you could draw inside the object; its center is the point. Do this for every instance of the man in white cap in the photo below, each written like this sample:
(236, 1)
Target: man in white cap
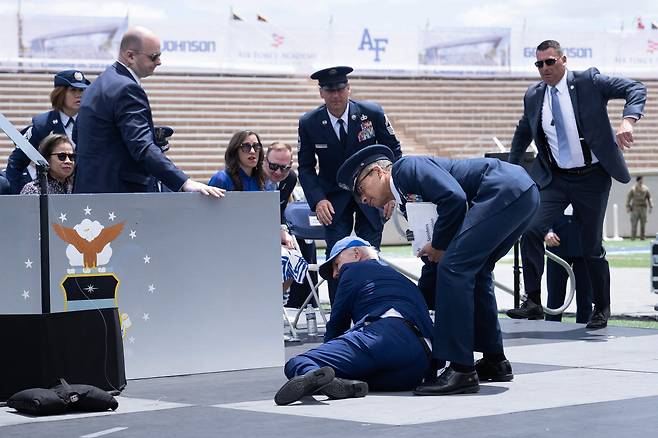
(387, 349)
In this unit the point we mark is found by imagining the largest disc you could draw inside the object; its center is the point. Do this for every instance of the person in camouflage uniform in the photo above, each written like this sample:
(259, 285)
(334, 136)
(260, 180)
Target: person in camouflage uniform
(637, 203)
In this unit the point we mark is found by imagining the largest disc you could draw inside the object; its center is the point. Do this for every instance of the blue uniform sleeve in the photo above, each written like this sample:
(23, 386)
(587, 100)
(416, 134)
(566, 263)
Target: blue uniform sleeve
(308, 176)
(435, 184)
(385, 134)
(341, 309)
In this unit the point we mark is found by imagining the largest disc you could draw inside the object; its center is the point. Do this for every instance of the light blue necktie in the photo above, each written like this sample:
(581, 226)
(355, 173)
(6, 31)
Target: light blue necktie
(562, 140)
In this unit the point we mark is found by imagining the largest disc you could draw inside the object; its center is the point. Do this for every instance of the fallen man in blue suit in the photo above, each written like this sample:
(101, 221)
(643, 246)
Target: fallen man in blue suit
(389, 346)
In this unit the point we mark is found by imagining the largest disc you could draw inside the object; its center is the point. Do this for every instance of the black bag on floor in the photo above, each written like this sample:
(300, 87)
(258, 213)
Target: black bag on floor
(61, 399)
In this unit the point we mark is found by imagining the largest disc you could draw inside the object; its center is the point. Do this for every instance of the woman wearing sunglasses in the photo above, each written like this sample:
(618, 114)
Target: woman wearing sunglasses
(58, 151)
(243, 164)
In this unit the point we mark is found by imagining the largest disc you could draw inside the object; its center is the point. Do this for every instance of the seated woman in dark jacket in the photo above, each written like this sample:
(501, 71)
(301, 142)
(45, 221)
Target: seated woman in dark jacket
(58, 151)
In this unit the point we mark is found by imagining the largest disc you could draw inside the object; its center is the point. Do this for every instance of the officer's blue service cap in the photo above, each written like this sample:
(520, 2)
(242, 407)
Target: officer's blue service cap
(71, 78)
(332, 78)
(326, 269)
(350, 170)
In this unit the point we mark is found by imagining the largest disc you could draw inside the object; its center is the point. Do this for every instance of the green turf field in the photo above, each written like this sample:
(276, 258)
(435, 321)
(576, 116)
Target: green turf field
(637, 255)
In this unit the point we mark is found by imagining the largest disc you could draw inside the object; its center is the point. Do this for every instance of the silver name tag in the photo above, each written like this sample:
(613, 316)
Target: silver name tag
(320, 146)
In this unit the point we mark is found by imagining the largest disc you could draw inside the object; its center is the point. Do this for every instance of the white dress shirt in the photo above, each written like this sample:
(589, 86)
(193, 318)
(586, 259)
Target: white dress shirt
(68, 129)
(334, 121)
(131, 72)
(569, 118)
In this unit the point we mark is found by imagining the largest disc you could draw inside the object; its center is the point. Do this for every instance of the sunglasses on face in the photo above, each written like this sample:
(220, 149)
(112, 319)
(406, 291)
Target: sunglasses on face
(280, 167)
(247, 147)
(62, 156)
(549, 62)
(152, 56)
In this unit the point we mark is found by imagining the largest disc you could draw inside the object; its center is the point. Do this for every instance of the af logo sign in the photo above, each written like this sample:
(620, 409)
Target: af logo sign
(376, 45)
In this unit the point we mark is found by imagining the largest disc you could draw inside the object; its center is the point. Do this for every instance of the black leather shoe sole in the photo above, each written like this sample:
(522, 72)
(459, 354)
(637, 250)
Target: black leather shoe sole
(342, 388)
(299, 386)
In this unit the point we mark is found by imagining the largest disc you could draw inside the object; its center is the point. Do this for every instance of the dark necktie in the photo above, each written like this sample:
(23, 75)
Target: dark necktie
(342, 134)
(562, 142)
(71, 122)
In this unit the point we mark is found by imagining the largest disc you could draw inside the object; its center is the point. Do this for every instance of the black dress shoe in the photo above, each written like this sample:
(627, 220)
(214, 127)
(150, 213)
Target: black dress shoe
(528, 310)
(343, 388)
(489, 371)
(451, 382)
(599, 319)
(299, 386)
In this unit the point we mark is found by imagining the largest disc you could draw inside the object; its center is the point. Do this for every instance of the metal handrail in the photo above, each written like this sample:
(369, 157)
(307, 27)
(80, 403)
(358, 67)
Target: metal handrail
(572, 278)
(572, 286)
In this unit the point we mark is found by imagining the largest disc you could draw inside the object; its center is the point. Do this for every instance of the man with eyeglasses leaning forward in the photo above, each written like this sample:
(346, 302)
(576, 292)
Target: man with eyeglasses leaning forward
(483, 206)
(116, 147)
(578, 153)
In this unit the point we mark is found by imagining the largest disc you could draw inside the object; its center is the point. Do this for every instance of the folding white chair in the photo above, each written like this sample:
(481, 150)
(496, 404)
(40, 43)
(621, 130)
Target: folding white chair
(303, 225)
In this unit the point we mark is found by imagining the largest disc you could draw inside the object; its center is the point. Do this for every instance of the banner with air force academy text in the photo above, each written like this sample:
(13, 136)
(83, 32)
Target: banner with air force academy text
(216, 41)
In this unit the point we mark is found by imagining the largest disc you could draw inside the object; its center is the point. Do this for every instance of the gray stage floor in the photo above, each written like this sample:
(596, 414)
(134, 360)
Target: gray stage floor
(567, 381)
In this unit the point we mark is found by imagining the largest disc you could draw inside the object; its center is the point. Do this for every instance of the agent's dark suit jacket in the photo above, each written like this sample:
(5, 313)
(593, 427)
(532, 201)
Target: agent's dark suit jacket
(285, 189)
(115, 145)
(367, 126)
(367, 290)
(590, 92)
(42, 125)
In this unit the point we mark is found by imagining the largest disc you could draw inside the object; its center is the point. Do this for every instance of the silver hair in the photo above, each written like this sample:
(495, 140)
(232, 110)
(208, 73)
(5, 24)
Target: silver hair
(384, 164)
(369, 252)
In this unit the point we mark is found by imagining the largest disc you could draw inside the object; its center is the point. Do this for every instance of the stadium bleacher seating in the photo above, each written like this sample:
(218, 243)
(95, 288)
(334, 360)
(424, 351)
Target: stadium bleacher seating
(441, 116)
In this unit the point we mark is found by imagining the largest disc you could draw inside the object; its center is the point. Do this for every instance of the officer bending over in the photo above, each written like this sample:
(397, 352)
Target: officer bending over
(483, 207)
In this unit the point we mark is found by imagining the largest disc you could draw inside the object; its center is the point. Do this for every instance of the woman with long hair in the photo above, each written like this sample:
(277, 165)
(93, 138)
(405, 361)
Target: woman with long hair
(243, 164)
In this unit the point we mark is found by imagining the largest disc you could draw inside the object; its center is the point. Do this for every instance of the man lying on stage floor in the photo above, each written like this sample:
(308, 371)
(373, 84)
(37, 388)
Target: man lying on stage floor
(387, 349)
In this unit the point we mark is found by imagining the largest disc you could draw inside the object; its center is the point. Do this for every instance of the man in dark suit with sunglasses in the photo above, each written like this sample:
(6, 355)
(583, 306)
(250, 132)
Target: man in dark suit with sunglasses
(116, 145)
(281, 177)
(328, 136)
(578, 154)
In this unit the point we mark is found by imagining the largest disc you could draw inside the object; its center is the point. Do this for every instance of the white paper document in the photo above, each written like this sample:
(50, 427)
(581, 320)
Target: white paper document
(421, 217)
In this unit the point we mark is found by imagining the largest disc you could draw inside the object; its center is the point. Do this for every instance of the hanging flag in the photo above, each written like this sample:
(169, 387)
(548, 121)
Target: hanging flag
(261, 18)
(639, 24)
(235, 16)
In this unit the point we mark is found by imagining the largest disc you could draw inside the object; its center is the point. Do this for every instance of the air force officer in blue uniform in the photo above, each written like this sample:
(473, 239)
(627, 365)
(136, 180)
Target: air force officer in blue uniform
(387, 349)
(578, 153)
(483, 206)
(65, 99)
(116, 145)
(330, 134)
